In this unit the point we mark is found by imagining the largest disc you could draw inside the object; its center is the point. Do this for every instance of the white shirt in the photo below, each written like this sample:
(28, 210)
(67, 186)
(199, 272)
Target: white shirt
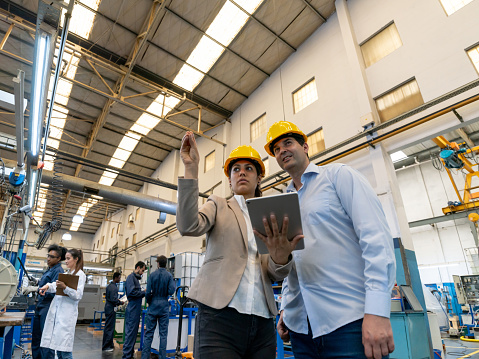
(249, 297)
(347, 268)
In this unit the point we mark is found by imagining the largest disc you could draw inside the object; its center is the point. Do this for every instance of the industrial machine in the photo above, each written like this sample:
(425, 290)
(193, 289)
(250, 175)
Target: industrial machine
(8, 282)
(91, 301)
(454, 156)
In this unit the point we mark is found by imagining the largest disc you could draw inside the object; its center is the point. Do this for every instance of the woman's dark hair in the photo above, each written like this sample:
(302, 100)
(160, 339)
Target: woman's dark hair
(257, 190)
(77, 254)
(61, 251)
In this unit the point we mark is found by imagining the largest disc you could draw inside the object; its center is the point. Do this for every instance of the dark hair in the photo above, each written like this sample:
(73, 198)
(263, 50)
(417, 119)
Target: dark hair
(140, 264)
(296, 136)
(116, 275)
(61, 251)
(162, 261)
(77, 254)
(257, 190)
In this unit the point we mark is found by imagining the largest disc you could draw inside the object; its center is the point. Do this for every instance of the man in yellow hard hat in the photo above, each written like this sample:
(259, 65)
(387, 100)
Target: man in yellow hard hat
(336, 299)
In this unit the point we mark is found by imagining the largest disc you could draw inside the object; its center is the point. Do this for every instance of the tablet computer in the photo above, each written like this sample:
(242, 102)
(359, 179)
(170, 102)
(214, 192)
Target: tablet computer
(286, 204)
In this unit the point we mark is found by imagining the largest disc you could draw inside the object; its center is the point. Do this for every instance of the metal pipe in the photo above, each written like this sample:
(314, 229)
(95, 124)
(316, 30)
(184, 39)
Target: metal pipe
(115, 194)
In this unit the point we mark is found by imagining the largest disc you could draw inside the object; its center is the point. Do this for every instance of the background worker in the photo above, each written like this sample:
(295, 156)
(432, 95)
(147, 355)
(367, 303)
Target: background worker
(59, 330)
(134, 295)
(111, 301)
(233, 287)
(337, 298)
(160, 286)
(55, 255)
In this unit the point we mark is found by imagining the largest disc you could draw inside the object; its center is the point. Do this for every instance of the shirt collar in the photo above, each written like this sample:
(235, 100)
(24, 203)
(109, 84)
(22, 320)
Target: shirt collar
(55, 266)
(241, 202)
(312, 168)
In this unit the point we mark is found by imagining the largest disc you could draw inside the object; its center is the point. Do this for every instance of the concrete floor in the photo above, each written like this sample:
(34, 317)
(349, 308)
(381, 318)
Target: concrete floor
(456, 348)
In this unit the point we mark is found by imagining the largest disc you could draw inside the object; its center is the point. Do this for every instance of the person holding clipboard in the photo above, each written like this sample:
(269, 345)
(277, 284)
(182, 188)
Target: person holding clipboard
(233, 287)
(59, 329)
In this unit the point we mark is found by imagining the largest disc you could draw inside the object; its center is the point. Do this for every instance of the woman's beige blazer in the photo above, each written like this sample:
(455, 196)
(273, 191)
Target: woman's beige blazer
(226, 247)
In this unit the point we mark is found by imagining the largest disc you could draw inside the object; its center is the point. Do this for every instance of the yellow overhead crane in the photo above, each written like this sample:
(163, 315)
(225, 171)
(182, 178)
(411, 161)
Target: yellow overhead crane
(455, 156)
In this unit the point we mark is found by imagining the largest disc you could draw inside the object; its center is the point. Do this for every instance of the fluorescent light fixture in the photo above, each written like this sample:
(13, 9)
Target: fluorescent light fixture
(34, 269)
(398, 156)
(40, 70)
(99, 269)
(77, 218)
(31, 196)
(429, 266)
(67, 236)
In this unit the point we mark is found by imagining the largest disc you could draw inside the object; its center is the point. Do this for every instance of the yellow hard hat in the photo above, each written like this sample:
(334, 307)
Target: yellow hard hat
(473, 217)
(244, 152)
(279, 129)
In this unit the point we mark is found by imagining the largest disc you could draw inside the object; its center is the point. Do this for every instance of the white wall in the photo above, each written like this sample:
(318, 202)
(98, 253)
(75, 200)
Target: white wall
(432, 51)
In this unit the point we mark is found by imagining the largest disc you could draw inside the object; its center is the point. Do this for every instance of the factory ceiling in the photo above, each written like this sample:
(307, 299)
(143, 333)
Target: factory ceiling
(137, 74)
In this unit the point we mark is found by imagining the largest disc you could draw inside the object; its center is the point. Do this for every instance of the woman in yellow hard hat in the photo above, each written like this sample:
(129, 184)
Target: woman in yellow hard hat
(233, 287)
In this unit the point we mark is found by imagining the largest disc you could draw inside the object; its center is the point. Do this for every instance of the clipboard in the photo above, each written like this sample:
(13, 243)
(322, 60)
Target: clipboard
(286, 204)
(69, 280)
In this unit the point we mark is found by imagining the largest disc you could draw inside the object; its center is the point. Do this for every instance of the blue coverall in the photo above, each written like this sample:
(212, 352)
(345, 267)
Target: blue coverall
(133, 313)
(160, 286)
(111, 301)
(41, 311)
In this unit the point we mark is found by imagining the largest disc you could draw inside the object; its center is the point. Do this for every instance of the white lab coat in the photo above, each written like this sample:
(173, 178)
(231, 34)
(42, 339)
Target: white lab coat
(61, 320)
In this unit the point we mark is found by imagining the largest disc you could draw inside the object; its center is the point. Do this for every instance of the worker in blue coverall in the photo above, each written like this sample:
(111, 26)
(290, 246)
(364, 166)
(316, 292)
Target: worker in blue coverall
(56, 254)
(160, 286)
(111, 301)
(133, 310)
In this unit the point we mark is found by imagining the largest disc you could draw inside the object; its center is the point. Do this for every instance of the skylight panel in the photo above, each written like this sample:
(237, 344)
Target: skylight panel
(188, 77)
(121, 154)
(148, 121)
(110, 174)
(249, 5)
(82, 19)
(116, 163)
(205, 54)
(128, 143)
(140, 129)
(106, 180)
(227, 23)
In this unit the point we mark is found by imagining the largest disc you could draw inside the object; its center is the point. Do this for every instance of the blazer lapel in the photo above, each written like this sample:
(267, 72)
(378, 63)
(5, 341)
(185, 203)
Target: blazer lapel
(233, 204)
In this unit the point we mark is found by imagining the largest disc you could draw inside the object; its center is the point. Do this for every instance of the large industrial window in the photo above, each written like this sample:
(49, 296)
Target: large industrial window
(451, 6)
(137, 214)
(118, 229)
(209, 161)
(305, 95)
(112, 232)
(133, 241)
(126, 242)
(474, 56)
(257, 127)
(316, 142)
(399, 100)
(380, 44)
(102, 240)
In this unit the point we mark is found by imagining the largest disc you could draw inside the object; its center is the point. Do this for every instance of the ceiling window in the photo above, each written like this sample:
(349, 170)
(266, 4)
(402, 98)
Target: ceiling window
(380, 44)
(209, 161)
(399, 100)
(451, 6)
(474, 56)
(257, 128)
(305, 95)
(316, 142)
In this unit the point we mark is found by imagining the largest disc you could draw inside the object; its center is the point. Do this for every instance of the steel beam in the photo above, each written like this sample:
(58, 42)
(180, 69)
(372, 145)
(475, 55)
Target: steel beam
(306, 2)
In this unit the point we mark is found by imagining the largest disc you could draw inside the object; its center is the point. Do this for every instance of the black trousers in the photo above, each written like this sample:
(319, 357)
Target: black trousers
(226, 333)
(37, 330)
(108, 331)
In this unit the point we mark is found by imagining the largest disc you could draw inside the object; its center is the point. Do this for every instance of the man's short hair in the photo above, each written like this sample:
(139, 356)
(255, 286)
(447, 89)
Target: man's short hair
(61, 251)
(140, 264)
(162, 260)
(116, 275)
(296, 136)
